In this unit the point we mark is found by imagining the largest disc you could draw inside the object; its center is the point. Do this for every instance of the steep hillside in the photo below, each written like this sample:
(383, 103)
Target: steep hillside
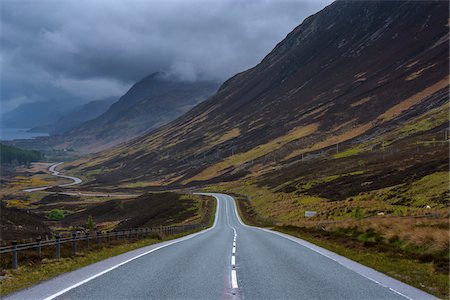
(357, 76)
(148, 104)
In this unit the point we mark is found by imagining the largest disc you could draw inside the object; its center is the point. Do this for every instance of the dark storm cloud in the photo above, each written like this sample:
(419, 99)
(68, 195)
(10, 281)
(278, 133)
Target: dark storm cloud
(82, 50)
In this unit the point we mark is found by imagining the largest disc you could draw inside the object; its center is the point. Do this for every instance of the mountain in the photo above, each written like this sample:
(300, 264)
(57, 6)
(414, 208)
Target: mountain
(150, 103)
(35, 114)
(77, 116)
(353, 87)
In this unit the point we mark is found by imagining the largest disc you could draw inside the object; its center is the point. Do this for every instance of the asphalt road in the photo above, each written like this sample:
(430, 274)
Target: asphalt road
(52, 169)
(75, 181)
(228, 261)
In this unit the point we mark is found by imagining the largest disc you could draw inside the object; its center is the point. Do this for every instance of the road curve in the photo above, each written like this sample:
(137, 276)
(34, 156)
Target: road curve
(228, 261)
(52, 169)
(75, 181)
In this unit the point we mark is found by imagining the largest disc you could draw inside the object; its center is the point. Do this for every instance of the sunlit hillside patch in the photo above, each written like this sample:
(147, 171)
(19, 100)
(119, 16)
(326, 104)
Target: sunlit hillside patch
(17, 203)
(333, 140)
(259, 151)
(427, 121)
(232, 133)
(23, 182)
(431, 190)
(418, 73)
(396, 110)
(428, 191)
(361, 101)
(386, 116)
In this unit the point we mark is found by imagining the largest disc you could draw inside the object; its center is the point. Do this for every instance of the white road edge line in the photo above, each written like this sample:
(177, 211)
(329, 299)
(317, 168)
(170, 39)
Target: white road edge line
(135, 257)
(315, 250)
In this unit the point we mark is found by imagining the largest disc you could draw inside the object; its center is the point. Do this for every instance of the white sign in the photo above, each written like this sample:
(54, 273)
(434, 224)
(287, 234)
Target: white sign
(309, 214)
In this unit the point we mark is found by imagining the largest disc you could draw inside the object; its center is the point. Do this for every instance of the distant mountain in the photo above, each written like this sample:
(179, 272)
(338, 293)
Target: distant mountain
(149, 104)
(35, 114)
(77, 116)
(358, 77)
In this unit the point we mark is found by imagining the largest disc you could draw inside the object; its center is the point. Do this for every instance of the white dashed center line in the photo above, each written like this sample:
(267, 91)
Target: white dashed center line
(234, 283)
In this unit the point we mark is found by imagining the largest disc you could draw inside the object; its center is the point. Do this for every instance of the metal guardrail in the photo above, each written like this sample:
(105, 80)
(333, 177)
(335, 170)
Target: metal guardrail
(98, 237)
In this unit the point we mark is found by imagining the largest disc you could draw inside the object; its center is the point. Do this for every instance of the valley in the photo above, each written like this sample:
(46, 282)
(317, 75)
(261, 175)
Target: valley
(335, 145)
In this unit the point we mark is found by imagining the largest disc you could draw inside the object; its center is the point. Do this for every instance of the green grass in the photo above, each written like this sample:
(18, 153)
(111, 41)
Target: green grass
(428, 189)
(350, 152)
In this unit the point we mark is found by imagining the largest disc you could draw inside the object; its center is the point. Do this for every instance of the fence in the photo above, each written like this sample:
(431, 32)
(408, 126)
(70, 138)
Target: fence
(98, 237)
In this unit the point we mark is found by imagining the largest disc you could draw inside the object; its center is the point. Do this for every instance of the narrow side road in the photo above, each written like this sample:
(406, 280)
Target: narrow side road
(228, 261)
(52, 169)
(75, 181)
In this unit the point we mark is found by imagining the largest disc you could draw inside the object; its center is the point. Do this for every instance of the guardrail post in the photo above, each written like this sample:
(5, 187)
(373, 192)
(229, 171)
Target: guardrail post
(146, 231)
(58, 246)
(123, 234)
(115, 234)
(74, 243)
(140, 233)
(108, 234)
(136, 233)
(14, 254)
(98, 237)
(38, 246)
(88, 242)
(129, 234)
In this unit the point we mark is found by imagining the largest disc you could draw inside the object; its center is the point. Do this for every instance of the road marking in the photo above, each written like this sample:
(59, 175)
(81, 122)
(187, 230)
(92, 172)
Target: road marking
(136, 257)
(305, 244)
(234, 283)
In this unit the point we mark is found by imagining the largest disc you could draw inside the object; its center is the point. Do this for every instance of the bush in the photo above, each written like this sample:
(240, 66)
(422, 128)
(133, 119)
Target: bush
(90, 225)
(56, 214)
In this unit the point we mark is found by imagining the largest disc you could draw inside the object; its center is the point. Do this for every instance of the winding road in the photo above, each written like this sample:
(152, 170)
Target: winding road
(230, 260)
(75, 181)
(52, 169)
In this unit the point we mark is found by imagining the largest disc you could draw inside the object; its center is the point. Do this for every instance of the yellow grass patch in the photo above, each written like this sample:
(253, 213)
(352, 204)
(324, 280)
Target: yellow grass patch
(258, 151)
(413, 100)
(362, 101)
(416, 74)
(333, 140)
(386, 116)
(235, 132)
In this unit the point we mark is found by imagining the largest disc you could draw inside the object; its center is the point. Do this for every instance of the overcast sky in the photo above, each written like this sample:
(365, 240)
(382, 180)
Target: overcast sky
(81, 50)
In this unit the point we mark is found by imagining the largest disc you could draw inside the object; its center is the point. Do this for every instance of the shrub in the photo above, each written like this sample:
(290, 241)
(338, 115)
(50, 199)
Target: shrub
(90, 223)
(56, 214)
